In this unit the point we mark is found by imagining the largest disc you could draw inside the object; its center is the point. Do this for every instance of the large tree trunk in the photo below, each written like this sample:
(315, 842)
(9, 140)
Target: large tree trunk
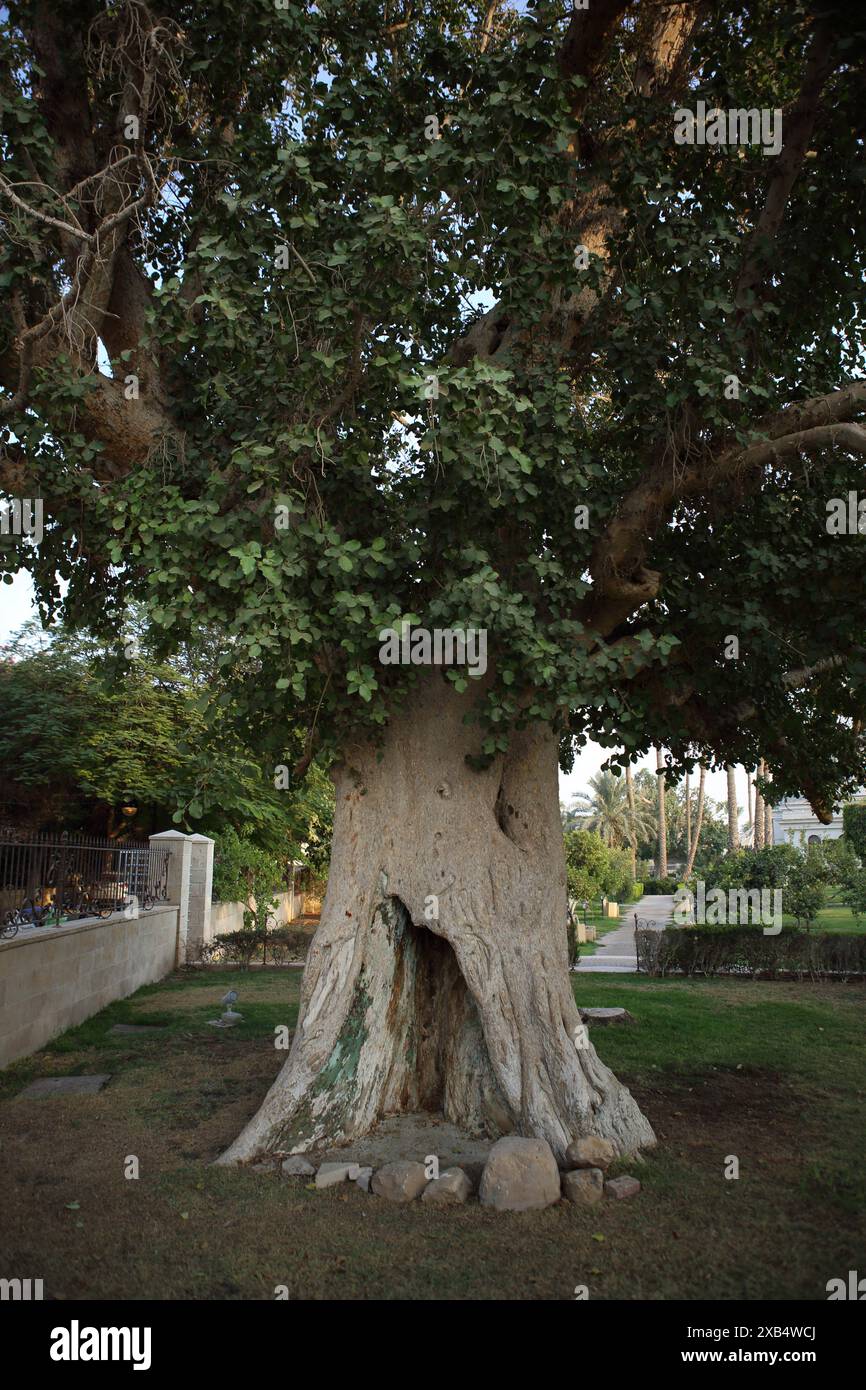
(438, 978)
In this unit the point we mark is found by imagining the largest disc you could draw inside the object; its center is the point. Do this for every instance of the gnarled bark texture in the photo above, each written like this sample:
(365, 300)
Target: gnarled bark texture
(438, 978)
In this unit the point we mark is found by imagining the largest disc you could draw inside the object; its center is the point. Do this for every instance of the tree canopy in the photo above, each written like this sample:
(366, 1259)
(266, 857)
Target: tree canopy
(75, 742)
(325, 318)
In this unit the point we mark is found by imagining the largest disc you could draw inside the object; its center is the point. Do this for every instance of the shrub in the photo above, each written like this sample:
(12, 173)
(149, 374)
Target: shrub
(242, 947)
(803, 894)
(586, 861)
(854, 893)
(753, 868)
(617, 882)
(660, 885)
(854, 823)
(747, 951)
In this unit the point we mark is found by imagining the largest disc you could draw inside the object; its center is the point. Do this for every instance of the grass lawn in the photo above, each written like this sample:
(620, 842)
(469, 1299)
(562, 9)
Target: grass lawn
(834, 918)
(772, 1072)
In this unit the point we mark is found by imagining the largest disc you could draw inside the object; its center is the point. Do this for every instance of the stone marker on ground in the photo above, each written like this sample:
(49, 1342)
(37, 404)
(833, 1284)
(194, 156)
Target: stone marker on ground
(66, 1086)
(618, 1188)
(590, 1151)
(604, 1016)
(297, 1167)
(401, 1181)
(331, 1173)
(584, 1186)
(450, 1189)
(520, 1175)
(363, 1178)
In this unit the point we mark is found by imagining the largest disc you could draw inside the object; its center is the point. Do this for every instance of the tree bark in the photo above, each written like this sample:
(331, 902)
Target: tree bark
(438, 978)
(758, 839)
(663, 827)
(768, 820)
(733, 822)
(632, 832)
(688, 799)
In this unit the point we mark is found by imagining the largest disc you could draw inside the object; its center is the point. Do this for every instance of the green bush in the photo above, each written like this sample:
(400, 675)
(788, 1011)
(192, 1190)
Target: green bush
(245, 873)
(706, 950)
(586, 863)
(753, 868)
(804, 892)
(854, 823)
(842, 860)
(617, 882)
(854, 893)
(246, 945)
(660, 885)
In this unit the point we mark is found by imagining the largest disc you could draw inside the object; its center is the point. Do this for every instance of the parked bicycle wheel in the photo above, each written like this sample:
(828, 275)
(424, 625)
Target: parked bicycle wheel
(9, 926)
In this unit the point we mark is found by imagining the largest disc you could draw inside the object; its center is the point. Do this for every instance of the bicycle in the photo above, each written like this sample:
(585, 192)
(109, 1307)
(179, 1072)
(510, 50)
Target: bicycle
(9, 926)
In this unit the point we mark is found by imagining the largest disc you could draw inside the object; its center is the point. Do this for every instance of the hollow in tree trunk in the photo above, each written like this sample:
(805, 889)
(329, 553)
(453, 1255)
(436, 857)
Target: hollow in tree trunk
(438, 977)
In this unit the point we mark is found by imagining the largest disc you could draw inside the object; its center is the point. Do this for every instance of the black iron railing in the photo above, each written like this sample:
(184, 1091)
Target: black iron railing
(50, 881)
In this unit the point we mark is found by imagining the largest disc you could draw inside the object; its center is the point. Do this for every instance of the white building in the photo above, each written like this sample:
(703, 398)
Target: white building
(795, 823)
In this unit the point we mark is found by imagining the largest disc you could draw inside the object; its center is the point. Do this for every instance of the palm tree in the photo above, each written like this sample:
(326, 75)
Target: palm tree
(632, 829)
(698, 824)
(758, 839)
(662, 827)
(610, 814)
(688, 799)
(733, 810)
(607, 806)
(768, 813)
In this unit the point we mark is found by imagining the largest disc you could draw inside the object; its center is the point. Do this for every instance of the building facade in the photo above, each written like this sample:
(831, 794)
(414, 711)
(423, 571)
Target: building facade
(795, 823)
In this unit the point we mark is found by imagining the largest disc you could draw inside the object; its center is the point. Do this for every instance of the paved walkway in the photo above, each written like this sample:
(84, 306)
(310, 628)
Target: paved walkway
(615, 951)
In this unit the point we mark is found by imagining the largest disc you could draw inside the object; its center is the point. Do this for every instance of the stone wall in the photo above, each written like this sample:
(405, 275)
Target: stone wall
(53, 978)
(226, 917)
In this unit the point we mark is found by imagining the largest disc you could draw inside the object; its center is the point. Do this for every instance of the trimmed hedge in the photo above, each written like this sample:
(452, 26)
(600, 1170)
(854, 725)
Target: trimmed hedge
(660, 885)
(706, 950)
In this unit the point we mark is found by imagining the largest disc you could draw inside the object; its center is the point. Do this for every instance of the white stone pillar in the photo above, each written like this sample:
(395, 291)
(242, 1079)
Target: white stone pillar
(180, 849)
(200, 893)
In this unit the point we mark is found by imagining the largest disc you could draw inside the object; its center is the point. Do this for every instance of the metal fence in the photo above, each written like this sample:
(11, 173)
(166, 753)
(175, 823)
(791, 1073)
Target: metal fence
(50, 881)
